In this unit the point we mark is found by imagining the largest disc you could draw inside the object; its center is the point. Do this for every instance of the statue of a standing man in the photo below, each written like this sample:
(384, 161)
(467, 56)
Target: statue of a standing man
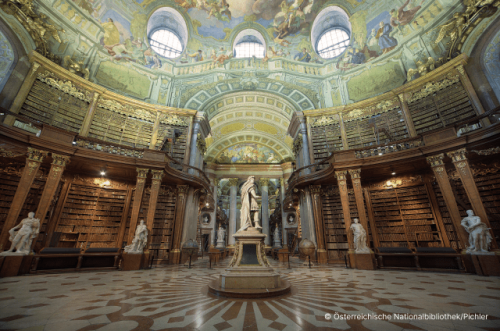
(479, 234)
(140, 240)
(359, 238)
(22, 239)
(249, 205)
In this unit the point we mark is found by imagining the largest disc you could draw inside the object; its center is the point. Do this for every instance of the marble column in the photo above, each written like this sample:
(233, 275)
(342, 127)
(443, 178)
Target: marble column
(142, 173)
(443, 181)
(306, 216)
(467, 177)
(233, 192)
(264, 187)
(193, 145)
(284, 233)
(213, 241)
(33, 162)
(305, 147)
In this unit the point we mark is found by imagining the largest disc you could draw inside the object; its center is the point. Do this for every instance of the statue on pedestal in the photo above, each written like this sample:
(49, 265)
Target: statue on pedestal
(479, 234)
(221, 234)
(22, 238)
(140, 240)
(249, 205)
(359, 238)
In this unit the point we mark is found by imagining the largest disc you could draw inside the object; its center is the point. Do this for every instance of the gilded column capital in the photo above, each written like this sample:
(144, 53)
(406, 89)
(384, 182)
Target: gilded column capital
(182, 189)
(341, 175)
(233, 181)
(95, 97)
(355, 173)
(157, 174)
(401, 97)
(142, 172)
(36, 154)
(201, 144)
(461, 69)
(34, 68)
(264, 181)
(458, 155)
(282, 181)
(315, 189)
(436, 160)
(60, 160)
(216, 182)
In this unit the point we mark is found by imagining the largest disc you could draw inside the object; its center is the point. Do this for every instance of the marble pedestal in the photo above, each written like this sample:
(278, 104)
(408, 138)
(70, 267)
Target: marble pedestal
(486, 265)
(249, 274)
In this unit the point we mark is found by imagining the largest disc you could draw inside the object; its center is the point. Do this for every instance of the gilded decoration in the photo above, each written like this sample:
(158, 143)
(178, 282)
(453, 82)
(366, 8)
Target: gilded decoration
(35, 24)
(424, 68)
(381, 107)
(7, 153)
(324, 121)
(157, 174)
(182, 189)
(172, 119)
(355, 173)
(458, 155)
(433, 87)
(201, 144)
(142, 172)
(489, 151)
(56, 170)
(127, 110)
(36, 154)
(341, 176)
(109, 148)
(330, 191)
(76, 67)
(297, 144)
(66, 86)
(60, 160)
(397, 181)
(264, 181)
(233, 181)
(436, 160)
(477, 171)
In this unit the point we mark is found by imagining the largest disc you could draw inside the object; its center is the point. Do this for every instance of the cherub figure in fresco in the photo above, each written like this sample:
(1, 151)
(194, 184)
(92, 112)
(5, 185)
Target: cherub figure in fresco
(218, 8)
(402, 16)
(223, 56)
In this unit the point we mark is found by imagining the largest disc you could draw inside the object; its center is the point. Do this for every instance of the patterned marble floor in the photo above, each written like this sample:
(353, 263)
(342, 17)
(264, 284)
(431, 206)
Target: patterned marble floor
(176, 298)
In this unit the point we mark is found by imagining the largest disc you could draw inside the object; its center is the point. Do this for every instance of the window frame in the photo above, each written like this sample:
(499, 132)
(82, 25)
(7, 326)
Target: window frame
(249, 42)
(170, 49)
(331, 47)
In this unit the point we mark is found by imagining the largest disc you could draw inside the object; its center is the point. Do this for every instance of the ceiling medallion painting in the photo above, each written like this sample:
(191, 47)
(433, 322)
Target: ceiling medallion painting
(248, 153)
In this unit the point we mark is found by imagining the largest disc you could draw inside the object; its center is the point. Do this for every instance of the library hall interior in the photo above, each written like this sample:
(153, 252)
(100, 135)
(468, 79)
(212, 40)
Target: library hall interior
(254, 165)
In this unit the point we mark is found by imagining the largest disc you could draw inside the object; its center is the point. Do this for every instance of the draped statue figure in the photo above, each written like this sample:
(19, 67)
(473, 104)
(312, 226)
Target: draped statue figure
(249, 205)
(479, 234)
(22, 235)
(359, 238)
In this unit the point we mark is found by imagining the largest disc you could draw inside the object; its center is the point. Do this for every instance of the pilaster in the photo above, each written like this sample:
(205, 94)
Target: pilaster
(406, 112)
(87, 121)
(466, 176)
(344, 199)
(142, 174)
(153, 199)
(439, 169)
(317, 206)
(33, 162)
(264, 187)
(24, 90)
(180, 207)
(360, 205)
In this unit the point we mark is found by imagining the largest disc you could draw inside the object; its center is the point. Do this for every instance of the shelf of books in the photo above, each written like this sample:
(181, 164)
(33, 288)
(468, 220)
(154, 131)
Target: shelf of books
(448, 223)
(326, 140)
(335, 233)
(447, 106)
(91, 217)
(161, 237)
(489, 189)
(8, 186)
(404, 217)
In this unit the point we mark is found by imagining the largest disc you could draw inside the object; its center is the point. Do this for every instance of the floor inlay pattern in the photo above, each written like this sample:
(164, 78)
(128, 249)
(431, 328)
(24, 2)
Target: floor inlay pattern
(176, 298)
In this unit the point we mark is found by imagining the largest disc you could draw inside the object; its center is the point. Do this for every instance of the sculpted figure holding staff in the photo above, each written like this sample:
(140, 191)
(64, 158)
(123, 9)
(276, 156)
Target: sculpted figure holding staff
(249, 205)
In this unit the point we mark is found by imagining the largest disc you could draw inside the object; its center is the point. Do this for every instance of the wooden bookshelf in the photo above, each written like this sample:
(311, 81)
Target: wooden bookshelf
(91, 217)
(163, 224)
(8, 186)
(448, 223)
(377, 129)
(326, 140)
(489, 189)
(335, 233)
(445, 107)
(178, 149)
(404, 217)
(46, 104)
(121, 129)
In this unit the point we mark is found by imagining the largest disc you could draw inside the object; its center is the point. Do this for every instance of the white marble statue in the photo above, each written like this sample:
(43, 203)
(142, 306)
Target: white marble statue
(359, 238)
(140, 240)
(249, 205)
(206, 220)
(291, 219)
(479, 234)
(221, 234)
(22, 235)
(276, 237)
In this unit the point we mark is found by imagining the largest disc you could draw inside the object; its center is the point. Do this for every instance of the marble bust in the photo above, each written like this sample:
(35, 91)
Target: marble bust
(206, 220)
(359, 238)
(479, 234)
(22, 235)
(140, 240)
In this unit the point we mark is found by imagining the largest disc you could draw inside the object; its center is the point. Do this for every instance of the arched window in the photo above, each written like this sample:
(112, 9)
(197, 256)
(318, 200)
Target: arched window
(249, 43)
(331, 32)
(7, 59)
(167, 32)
